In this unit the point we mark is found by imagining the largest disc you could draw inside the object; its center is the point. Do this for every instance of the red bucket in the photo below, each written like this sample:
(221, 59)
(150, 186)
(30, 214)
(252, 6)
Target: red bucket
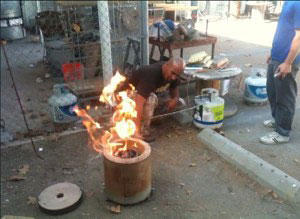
(72, 71)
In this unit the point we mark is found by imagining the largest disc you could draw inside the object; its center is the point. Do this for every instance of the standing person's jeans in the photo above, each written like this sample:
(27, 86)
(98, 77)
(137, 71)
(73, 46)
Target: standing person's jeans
(282, 96)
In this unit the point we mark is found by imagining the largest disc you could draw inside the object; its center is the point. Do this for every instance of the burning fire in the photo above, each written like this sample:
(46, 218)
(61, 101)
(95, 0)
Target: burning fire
(123, 125)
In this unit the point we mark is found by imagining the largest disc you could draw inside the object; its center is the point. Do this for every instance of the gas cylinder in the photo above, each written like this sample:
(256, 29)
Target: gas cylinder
(210, 110)
(256, 87)
(61, 104)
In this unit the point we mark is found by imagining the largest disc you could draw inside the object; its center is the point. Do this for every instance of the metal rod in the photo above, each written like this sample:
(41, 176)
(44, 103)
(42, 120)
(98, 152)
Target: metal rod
(19, 100)
(172, 113)
(104, 28)
(38, 6)
(145, 32)
(206, 27)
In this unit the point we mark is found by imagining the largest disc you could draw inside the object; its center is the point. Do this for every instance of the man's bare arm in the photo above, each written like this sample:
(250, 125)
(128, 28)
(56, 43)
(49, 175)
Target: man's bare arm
(295, 49)
(139, 101)
(174, 94)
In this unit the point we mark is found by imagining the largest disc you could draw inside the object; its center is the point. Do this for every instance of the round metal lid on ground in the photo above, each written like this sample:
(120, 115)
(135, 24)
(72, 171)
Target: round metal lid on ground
(60, 198)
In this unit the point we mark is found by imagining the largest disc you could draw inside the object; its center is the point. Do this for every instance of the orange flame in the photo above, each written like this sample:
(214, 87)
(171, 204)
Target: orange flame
(122, 119)
(108, 91)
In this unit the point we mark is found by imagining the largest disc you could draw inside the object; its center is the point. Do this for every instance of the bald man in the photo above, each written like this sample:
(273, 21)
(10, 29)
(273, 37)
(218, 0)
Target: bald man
(150, 82)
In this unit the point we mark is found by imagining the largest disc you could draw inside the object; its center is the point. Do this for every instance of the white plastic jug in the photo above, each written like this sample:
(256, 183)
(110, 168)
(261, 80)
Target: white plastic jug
(210, 110)
(61, 104)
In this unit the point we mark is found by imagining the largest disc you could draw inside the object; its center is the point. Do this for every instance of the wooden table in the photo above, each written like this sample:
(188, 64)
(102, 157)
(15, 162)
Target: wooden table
(213, 75)
(170, 46)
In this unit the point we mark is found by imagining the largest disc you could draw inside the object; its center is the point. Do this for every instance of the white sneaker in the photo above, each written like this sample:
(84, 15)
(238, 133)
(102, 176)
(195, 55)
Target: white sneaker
(274, 138)
(269, 123)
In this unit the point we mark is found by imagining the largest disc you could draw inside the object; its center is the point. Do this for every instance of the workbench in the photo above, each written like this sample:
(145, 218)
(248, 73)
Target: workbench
(170, 46)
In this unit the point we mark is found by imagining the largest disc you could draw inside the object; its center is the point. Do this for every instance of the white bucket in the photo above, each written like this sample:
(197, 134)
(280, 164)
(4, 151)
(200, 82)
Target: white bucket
(210, 110)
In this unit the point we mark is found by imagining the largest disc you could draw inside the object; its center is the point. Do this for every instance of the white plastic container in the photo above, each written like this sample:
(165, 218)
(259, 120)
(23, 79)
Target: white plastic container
(210, 110)
(61, 104)
(256, 87)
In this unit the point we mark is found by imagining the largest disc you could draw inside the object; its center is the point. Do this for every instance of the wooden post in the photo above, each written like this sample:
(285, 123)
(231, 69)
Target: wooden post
(104, 28)
(145, 33)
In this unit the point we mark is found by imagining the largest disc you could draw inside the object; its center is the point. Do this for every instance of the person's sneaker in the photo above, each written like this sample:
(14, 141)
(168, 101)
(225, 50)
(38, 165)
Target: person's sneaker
(269, 123)
(274, 138)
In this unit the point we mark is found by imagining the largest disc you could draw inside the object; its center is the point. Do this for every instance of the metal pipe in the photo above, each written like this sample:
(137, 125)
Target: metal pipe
(38, 10)
(175, 112)
(104, 29)
(144, 33)
(38, 6)
(206, 27)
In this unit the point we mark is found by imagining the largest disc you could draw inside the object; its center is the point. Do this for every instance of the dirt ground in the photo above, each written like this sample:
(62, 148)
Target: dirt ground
(25, 60)
(189, 180)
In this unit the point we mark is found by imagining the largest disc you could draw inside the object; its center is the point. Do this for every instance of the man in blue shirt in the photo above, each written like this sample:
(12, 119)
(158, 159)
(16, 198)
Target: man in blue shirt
(283, 65)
